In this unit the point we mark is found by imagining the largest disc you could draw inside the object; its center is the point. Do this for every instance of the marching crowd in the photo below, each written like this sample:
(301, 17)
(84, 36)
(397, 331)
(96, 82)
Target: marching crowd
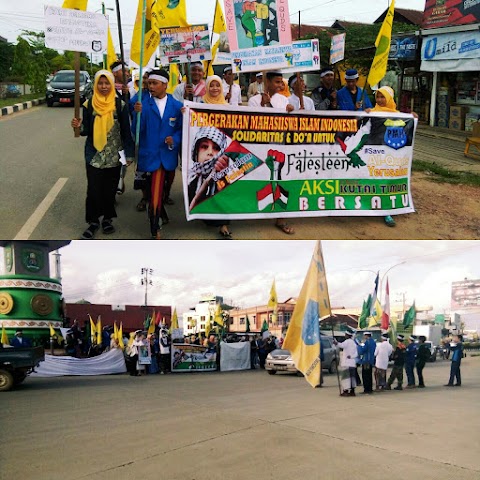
(109, 123)
(374, 359)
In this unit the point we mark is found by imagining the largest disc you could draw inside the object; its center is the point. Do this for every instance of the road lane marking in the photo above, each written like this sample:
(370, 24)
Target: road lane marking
(36, 217)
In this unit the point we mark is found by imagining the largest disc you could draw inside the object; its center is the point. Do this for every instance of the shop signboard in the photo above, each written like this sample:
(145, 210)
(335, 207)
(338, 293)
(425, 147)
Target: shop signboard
(451, 46)
(403, 48)
(442, 13)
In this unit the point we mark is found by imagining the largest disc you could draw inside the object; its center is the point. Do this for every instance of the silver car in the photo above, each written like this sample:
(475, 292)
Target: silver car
(280, 360)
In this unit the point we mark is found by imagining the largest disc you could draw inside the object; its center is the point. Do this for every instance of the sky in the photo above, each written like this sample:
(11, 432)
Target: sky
(242, 272)
(28, 14)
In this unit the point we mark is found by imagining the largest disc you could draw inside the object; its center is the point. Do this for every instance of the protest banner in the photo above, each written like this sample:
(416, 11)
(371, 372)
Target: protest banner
(184, 44)
(306, 56)
(75, 30)
(259, 35)
(337, 48)
(271, 164)
(187, 357)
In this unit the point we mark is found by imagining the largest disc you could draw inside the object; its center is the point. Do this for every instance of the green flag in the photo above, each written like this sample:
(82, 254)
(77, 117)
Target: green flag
(362, 319)
(248, 325)
(264, 326)
(410, 316)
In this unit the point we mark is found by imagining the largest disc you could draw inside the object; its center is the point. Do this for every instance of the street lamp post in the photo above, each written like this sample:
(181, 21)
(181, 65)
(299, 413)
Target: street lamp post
(383, 276)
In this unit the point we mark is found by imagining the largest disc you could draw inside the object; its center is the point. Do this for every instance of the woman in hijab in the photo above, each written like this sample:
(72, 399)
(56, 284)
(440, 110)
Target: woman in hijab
(385, 102)
(105, 123)
(207, 154)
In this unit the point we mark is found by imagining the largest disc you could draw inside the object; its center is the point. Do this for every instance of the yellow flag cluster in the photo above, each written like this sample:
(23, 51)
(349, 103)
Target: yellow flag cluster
(303, 334)
(218, 315)
(174, 323)
(384, 37)
(169, 13)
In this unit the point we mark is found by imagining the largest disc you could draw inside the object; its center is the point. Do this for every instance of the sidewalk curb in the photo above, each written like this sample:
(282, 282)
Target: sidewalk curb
(18, 107)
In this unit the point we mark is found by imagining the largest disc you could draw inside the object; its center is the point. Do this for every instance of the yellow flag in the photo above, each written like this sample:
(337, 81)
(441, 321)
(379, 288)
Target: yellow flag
(174, 77)
(169, 13)
(151, 35)
(111, 55)
(380, 61)
(219, 24)
(218, 315)
(93, 330)
(273, 301)
(174, 323)
(78, 4)
(99, 330)
(151, 327)
(52, 331)
(115, 330)
(303, 334)
(5, 340)
(120, 336)
(208, 64)
(376, 318)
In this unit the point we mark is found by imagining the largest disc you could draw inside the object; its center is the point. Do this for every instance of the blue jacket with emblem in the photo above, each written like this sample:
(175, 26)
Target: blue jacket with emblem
(367, 352)
(153, 151)
(345, 102)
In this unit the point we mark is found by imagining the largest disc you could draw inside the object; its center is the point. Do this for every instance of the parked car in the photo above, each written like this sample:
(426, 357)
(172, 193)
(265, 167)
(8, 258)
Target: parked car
(280, 360)
(61, 88)
(17, 363)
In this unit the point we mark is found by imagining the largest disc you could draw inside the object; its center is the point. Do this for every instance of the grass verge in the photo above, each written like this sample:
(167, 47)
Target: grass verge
(443, 175)
(7, 102)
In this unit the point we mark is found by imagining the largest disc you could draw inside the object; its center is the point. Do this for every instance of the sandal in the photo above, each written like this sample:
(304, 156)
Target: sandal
(107, 226)
(142, 205)
(225, 233)
(89, 233)
(169, 201)
(389, 221)
(285, 228)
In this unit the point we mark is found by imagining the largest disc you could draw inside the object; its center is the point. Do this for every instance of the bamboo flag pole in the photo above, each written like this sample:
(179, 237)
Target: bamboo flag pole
(140, 73)
(300, 93)
(120, 38)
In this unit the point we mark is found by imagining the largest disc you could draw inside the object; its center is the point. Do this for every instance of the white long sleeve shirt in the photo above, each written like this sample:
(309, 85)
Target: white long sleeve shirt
(382, 354)
(349, 353)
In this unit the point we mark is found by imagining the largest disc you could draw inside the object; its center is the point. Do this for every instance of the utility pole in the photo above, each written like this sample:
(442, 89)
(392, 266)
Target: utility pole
(146, 281)
(299, 25)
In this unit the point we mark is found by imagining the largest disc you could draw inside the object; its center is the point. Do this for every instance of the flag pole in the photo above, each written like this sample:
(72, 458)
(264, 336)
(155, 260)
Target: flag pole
(140, 73)
(336, 361)
(120, 38)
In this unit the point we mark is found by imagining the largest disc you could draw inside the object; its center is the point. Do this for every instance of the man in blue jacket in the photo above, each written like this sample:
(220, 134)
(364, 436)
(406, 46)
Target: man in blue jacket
(456, 347)
(367, 356)
(160, 139)
(19, 340)
(350, 97)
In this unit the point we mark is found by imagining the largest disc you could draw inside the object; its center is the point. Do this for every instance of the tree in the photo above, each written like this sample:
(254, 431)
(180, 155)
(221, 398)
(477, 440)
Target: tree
(359, 43)
(7, 51)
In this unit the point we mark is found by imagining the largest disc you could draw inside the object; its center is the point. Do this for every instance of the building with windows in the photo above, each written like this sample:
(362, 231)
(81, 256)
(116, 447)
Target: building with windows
(195, 320)
(466, 304)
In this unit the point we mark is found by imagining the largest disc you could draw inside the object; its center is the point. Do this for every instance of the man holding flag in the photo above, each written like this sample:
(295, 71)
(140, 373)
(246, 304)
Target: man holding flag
(303, 334)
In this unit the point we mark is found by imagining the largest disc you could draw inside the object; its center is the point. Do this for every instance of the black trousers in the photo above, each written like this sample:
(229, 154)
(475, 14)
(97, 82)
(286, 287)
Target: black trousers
(455, 373)
(367, 379)
(420, 367)
(101, 189)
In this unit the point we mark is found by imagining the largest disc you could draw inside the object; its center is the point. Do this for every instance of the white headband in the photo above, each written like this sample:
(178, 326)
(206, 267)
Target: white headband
(116, 69)
(160, 78)
(326, 73)
(292, 83)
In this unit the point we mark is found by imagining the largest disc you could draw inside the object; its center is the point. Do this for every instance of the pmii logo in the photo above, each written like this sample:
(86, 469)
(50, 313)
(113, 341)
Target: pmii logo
(395, 136)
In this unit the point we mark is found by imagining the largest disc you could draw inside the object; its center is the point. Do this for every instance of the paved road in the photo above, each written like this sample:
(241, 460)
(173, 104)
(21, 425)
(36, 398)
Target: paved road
(239, 425)
(42, 188)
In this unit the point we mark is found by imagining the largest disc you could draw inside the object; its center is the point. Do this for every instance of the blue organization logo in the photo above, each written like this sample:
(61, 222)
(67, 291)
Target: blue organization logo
(310, 327)
(395, 136)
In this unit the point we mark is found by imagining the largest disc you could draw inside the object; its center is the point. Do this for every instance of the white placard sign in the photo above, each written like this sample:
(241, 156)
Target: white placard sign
(75, 30)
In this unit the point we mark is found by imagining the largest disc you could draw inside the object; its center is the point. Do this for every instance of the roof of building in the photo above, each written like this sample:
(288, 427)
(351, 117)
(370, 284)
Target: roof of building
(404, 15)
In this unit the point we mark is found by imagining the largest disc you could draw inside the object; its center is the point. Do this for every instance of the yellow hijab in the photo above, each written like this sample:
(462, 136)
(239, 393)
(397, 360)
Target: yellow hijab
(207, 98)
(391, 106)
(103, 108)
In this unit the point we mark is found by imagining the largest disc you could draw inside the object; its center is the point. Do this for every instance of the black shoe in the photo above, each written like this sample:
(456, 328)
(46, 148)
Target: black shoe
(421, 386)
(169, 201)
(107, 226)
(458, 385)
(449, 385)
(89, 233)
(398, 388)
